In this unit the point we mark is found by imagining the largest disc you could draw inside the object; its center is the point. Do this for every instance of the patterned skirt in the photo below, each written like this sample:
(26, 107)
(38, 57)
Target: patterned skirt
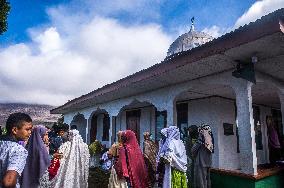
(178, 179)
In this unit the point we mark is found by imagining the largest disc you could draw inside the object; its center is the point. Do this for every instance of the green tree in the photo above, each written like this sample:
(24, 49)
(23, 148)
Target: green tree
(60, 121)
(4, 11)
(60, 124)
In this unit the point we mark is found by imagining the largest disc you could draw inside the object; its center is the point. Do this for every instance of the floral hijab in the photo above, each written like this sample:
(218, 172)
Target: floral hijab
(206, 137)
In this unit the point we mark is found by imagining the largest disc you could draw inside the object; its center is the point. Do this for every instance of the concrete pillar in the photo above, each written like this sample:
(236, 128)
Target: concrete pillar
(68, 118)
(248, 160)
(87, 131)
(175, 113)
(110, 130)
(170, 115)
(114, 129)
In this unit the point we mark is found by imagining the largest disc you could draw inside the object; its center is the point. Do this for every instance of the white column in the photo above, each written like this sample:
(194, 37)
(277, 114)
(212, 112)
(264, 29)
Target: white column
(175, 113)
(170, 115)
(68, 119)
(88, 124)
(248, 160)
(87, 131)
(110, 130)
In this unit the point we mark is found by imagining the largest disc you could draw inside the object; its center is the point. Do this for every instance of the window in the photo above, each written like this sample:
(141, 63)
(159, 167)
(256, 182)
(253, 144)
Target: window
(182, 117)
(161, 122)
(106, 126)
(93, 131)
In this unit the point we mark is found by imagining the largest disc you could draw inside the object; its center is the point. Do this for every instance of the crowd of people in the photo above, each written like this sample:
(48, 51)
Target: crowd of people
(167, 164)
(40, 157)
(37, 157)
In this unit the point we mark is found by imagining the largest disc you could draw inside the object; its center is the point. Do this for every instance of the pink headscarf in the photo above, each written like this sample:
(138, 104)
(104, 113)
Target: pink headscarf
(132, 161)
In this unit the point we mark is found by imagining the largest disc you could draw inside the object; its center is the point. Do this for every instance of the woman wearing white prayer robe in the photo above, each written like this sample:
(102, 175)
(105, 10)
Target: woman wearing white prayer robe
(74, 166)
(172, 155)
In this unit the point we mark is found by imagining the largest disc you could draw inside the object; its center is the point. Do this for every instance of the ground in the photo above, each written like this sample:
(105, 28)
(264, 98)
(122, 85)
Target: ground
(98, 178)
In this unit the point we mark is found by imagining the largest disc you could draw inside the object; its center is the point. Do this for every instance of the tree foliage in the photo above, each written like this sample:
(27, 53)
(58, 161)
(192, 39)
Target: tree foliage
(4, 11)
(60, 125)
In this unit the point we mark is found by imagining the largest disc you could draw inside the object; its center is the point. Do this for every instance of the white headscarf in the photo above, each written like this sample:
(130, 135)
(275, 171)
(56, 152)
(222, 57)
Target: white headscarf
(170, 133)
(173, 150)
(74, 166)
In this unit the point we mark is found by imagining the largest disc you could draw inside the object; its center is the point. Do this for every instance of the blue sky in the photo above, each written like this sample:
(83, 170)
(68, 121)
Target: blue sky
(24, 15)
(56, 50)
(170, 14)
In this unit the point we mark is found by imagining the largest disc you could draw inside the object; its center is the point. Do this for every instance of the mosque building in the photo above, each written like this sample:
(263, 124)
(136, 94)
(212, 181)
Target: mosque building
(231, 83)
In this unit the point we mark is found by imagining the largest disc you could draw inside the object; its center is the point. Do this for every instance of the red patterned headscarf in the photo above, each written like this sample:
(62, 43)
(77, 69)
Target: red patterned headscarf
(132, 161)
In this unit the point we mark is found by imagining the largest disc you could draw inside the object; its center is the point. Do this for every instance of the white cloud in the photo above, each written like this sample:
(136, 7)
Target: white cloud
(256, 11)
(75, 55)
(259, 9)
(48, 41)
(214, 31)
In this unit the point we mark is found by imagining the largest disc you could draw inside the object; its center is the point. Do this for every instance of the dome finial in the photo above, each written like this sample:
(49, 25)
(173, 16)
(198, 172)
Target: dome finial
(188, 41)
(192, 24)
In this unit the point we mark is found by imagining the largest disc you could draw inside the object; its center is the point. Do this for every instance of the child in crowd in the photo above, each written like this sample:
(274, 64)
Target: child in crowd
(13, 155)
(106, 160)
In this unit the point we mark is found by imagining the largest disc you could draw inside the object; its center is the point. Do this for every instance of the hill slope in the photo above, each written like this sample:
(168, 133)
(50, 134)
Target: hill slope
(39, 113)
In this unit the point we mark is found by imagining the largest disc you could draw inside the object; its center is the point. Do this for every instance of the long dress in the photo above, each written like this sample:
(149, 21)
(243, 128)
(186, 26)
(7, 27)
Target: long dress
(173, 154)
(178, 178)
(114, 180)
(74, 166)
(44, 181)
(190, 168)
(132, 161)
(202, 165)
(35, 171)
(202, 154)
(150, 154)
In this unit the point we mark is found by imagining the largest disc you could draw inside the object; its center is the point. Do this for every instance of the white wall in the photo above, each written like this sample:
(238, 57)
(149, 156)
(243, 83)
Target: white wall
(100, 119)
(153, 122)
(199, 111)
(145, 122)
(123, 121)
(120, 123)
(215, 112)
(81, 126)
(228, 156)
